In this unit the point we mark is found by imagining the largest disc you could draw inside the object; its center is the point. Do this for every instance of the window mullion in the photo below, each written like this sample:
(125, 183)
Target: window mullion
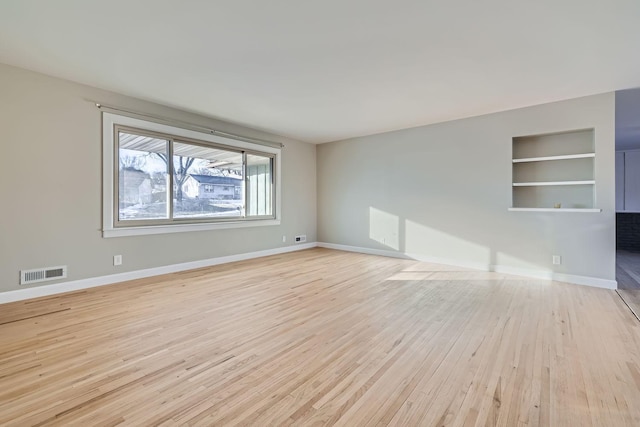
(272, 166)
(244, 185)
(170, 173)
(116, 174)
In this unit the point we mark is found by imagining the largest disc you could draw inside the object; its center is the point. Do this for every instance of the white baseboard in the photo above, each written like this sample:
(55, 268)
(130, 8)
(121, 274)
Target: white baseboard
(536, 274)
(75, 285)
(358, 249)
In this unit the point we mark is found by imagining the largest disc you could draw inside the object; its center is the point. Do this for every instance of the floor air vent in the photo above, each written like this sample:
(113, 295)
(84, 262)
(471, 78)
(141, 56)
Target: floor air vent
(42, 274)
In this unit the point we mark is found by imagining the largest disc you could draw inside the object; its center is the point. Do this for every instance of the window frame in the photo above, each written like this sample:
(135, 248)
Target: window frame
(112, 124)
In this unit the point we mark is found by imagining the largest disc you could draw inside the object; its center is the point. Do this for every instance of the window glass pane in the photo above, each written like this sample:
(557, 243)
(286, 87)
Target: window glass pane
(142, 177)
(207, 182)
(259, 185)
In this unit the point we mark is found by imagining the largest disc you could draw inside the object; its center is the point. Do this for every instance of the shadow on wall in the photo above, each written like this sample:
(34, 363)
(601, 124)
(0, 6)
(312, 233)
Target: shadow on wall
(420, 242)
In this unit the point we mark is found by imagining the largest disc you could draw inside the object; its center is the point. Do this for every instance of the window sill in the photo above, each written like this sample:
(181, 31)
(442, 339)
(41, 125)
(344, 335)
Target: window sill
(184, 228)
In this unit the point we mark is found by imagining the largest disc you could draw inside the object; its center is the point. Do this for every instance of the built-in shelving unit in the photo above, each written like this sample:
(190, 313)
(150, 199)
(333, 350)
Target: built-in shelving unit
(554, 172)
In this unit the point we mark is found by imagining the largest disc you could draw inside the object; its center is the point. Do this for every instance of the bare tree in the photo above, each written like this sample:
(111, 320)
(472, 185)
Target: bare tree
(180, 171)
(132, 162)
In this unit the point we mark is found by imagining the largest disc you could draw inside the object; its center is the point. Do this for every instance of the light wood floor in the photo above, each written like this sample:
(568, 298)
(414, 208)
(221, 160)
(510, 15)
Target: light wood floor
(322, 337)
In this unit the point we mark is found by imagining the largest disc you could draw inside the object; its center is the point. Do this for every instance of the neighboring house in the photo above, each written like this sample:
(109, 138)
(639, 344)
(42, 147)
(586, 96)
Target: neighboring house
(213, 187)
(134, 186)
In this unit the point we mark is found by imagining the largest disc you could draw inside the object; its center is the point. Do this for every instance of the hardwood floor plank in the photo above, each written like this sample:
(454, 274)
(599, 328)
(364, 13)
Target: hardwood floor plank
(322, 337)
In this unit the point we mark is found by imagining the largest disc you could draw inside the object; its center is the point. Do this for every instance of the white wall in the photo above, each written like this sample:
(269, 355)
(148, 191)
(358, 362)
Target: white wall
(442, 191)
(50, 182)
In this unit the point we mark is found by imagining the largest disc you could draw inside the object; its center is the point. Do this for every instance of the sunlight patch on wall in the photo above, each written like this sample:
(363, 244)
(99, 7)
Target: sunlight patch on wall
(384, 228)
(422, 240)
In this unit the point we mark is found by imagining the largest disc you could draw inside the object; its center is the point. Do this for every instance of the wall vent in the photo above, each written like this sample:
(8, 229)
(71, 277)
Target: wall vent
(42, 274)
(301, 239)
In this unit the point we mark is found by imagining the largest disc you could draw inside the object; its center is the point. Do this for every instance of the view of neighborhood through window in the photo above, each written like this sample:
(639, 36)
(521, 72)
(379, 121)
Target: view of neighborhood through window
(208, 181)
(143, 177)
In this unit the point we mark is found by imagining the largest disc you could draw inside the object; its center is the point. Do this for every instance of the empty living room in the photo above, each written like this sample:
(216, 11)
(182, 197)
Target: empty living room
(355, 213)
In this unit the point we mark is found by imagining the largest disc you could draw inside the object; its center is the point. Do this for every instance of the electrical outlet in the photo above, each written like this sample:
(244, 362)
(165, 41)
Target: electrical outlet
(284, 239)
(557, 260)
(301, 238)
(117, 260)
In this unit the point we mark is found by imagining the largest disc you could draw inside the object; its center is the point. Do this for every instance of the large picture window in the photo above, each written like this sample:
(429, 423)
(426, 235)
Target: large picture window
(167, 179)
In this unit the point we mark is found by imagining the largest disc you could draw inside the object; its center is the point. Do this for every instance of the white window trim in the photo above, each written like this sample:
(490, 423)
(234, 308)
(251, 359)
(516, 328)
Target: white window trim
(109, 120)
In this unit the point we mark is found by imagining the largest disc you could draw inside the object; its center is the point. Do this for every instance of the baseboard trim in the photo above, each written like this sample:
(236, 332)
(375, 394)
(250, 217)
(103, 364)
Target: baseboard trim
(535, 274)
(76, 285)
(361, 250)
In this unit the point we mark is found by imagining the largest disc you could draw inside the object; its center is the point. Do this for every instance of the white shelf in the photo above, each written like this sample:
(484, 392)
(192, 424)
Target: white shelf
(547, 183)
(555, 169)
(564, 157)
(553, 210)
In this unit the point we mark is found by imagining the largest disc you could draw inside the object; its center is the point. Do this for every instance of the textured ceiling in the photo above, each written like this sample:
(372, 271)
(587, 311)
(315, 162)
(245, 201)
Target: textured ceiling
(329, 70)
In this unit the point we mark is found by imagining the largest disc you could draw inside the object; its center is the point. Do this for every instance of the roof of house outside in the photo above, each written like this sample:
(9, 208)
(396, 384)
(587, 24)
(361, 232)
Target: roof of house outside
(221, 180)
